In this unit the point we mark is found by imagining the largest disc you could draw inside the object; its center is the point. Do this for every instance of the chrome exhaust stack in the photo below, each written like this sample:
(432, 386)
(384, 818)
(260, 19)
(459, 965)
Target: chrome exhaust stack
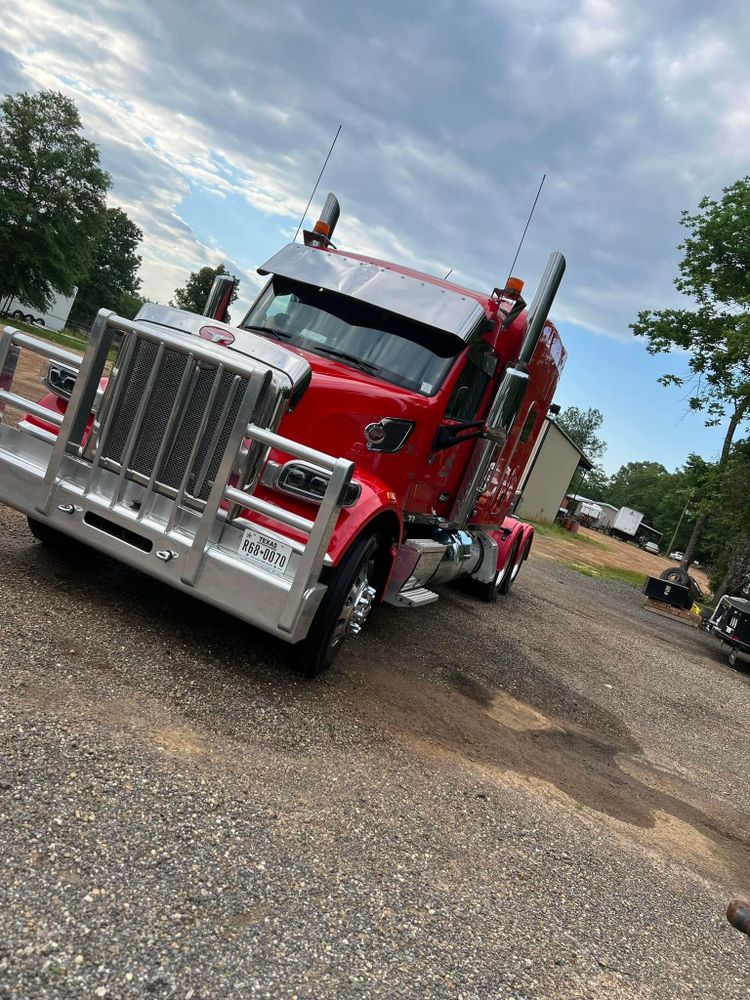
(217, 303)
(322, 232)
(540, 306)
(509, 397)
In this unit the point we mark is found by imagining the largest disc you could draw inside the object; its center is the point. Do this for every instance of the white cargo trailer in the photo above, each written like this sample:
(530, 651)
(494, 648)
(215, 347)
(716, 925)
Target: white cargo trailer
(55, 319)
(627, 522)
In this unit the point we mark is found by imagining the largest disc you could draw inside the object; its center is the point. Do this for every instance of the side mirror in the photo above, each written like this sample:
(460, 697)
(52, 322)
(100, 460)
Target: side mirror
(449, 435)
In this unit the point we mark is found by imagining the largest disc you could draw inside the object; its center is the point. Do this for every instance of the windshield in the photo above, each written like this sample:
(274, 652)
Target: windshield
(336, 326)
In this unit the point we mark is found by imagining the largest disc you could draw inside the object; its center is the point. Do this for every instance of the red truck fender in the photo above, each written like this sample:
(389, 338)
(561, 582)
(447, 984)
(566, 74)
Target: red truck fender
(514, 537)
(49, 402)
(377, 509)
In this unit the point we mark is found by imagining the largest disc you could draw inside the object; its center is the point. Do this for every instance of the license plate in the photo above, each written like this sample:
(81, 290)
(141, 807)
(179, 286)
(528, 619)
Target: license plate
(264, 552)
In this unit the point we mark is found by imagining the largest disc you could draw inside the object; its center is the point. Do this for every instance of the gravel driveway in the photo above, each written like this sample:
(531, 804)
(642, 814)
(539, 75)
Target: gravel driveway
(547, 797)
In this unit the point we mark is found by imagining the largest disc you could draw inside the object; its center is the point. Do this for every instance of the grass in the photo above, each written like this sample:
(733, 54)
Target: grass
(555, 531)
(62, 337)
(608, 573)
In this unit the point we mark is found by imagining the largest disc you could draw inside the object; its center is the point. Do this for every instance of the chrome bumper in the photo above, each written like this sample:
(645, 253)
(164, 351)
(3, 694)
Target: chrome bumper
(191, 542)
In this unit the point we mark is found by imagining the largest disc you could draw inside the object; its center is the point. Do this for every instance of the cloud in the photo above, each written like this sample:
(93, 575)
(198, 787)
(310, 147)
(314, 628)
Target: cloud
(448, 124)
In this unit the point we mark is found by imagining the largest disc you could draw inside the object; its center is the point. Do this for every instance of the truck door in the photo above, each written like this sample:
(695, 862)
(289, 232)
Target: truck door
(466, 404)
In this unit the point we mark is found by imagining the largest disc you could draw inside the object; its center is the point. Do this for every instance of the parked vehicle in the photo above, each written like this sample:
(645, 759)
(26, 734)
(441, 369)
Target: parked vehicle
(357, 438)
(648, 546)
(626, 523)
(679, 556)
(730, 622)
(55, 318)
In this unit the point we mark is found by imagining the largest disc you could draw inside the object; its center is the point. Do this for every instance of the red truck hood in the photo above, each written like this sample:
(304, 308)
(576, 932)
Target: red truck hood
(340, 402)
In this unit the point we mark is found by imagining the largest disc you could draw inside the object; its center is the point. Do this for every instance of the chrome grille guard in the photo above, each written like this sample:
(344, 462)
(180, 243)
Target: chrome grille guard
(167, 466)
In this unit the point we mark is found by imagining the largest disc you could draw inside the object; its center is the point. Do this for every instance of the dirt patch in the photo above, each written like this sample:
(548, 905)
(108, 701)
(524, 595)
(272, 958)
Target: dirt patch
(144, 717)
(601, 770)
(607, 552)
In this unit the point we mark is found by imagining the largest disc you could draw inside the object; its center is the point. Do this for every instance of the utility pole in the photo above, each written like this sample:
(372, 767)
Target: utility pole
(669, 547)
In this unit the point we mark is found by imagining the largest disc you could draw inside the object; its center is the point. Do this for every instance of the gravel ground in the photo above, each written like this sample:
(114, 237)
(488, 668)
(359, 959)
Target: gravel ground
(542, 798)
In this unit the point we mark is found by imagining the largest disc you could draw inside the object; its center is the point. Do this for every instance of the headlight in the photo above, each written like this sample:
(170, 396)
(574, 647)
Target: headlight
(306, 481)
(389, 434)
(60, 379)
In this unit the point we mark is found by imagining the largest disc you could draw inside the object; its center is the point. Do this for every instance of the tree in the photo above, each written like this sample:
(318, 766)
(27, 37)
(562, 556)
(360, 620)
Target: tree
(52, 192)
(728, 532)
(130, 304)
(193, 294)
(594, 483)
(715, 273)
(112, 272)
(581, 426)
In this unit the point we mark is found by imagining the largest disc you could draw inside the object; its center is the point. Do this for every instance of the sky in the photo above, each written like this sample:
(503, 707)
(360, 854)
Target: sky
(214, 119)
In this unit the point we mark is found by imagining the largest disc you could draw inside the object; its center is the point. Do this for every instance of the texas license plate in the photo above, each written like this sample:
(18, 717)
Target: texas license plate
(264, 552)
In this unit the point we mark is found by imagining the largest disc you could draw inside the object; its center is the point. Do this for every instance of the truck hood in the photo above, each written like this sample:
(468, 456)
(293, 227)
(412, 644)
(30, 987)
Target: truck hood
(289, 365)
(338, 405)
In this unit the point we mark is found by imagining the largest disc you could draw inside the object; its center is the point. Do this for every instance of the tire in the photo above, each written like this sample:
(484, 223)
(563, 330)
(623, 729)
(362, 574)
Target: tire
(47, 535)
(16, 314)
(514, 568)
(676, 575)
(332, 623)
(30, 319)
(732, 657)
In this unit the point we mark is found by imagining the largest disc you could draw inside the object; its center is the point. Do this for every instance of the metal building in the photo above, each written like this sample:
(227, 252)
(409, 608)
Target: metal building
(548, 473)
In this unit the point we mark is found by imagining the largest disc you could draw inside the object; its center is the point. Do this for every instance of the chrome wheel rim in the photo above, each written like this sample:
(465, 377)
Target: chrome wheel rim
(356, 608)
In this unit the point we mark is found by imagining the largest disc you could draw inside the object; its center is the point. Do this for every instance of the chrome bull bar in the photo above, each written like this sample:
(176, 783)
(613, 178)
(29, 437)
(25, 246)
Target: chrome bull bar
(116, 496)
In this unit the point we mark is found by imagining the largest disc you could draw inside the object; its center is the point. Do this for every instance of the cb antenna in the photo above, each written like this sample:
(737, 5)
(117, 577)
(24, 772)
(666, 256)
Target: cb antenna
(309, 200)
(523, 234)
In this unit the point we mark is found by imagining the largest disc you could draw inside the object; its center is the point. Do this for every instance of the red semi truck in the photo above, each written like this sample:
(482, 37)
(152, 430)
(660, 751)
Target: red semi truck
(357, 438)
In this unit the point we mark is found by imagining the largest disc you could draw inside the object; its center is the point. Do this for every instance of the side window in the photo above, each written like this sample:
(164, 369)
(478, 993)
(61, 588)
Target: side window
(472, 382)
(528, 425)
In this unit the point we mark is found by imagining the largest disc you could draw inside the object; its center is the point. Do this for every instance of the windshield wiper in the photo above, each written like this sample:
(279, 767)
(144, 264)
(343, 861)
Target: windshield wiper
(272, 331)
(352, 359)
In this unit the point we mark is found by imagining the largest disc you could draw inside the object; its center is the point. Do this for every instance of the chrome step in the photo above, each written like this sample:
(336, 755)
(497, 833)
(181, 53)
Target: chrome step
(417, 597)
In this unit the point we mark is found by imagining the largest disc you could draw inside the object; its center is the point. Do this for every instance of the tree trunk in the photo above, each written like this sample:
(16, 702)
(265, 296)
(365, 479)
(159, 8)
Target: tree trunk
(738, 571)
(736, 418)
(698, 527)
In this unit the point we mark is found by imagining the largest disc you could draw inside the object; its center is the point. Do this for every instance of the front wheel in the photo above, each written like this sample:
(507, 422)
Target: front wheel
(345, 607)
(46, 534)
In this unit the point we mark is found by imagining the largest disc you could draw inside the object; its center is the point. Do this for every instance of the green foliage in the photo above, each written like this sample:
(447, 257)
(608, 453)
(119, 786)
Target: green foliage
(595, 483)
(581, 426)
(52, 192)
(111, 280)
(193, 294)
(728, 531)
(715, 273)
(129, 304)
(608, 573)
(555, 531)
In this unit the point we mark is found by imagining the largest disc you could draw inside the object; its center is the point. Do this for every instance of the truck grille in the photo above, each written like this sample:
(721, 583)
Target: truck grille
(169, 428)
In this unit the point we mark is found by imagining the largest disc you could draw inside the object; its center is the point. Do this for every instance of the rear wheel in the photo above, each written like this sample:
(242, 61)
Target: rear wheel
(345, 607)
(514, 567)
(732, 656)
(491, 590)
